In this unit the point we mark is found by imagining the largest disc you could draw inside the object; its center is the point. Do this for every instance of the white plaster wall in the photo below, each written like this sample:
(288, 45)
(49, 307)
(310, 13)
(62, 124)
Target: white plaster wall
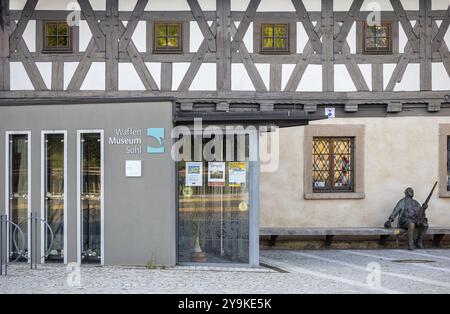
(45, 68)
(248, 38)
(313, 5)
(239, 5)
(440, 4)
(264, 71)
(155, 71)
(402, 39)
(410, 4)
(411, 79)
(342, 5)
(85, 35)
(139, 36)
(286, 72)
(388, 69)
(69, 70)
(279, 5)
(205, 80)
(19, 79)
(67, 4)
(440, 78)
(128, 77)
(178, 71)
(240, 81)
(371, 5)
(351, 38)
(312, 79)
(302, 37)
(366, 70)
(207, 5)
(391, 164)
(29, 35)
(95, 78)
(195, 36)
(166, 5)
(127, 5)
(17, 4)
(342, 80)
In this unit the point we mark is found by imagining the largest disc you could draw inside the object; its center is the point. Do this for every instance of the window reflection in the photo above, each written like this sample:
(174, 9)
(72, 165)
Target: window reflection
(18, 193)
(213, 213)
(54, 196)
(91, 196)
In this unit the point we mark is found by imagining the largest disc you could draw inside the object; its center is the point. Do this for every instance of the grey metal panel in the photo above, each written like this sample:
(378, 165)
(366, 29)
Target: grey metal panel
(139, 216)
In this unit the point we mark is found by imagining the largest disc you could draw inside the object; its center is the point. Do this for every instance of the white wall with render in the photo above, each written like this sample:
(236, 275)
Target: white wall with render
(95, 78)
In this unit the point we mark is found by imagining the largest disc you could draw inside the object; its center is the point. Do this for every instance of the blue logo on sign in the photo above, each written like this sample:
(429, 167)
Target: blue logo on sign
(158, 135)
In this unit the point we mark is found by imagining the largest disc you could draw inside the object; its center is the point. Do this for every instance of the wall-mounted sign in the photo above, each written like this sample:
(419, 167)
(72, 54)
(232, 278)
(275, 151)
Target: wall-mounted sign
(216, 174)
(330, 113)
(133, 168)
(237, 174)
(158, 135)
(194, 173)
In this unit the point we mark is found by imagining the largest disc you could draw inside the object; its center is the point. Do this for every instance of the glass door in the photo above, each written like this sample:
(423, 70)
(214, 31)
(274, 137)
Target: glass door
(54, 195)
(91, 197)
(18, 189)
(214, 204)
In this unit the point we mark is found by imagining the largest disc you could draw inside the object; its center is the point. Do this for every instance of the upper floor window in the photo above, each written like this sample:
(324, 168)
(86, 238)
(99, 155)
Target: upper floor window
(378, 39)
(332, 164)
(57, 37)
(168, 37)
(275, 38)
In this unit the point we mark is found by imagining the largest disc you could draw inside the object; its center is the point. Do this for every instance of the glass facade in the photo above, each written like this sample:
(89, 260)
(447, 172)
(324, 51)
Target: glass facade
(54, 196)
(18, 194)
(91, 196)
(213, 208)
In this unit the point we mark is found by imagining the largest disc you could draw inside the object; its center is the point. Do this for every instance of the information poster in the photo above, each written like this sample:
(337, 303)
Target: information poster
(216, 174)
(194, 173)
(237, 174)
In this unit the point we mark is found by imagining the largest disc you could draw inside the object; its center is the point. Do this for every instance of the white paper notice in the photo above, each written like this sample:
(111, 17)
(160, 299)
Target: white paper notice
(194, 173)
(133, 168)
(216, 174)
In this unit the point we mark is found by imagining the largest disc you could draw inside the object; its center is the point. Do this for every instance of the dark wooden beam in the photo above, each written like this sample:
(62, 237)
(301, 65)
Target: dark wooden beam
(308, 25)
(16, 35)
(352, 14)
(439, 38)
(97, 32)
(425, 44)
(112, 45)
(136, 16)
(245, 23)
(327, 45)
(223, 42)
(4, 47)
(203, 24)
(406, 24)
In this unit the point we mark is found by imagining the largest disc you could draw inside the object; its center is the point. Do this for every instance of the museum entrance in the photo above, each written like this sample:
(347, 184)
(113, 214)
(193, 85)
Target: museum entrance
(218, 200)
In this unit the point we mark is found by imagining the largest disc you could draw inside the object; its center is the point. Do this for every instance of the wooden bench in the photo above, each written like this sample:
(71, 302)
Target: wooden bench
(330, 233)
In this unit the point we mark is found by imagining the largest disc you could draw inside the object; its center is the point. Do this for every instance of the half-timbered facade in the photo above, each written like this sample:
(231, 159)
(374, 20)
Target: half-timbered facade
(379, 69)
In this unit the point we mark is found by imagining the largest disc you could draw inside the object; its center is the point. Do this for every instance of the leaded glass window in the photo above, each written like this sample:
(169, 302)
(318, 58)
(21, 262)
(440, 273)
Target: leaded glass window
(168, 37)
(378, 38)
(274, 38)
(333, 164)
(57, 37)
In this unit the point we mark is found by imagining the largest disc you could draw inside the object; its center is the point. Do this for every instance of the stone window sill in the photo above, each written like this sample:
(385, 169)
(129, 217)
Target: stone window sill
(334, 196)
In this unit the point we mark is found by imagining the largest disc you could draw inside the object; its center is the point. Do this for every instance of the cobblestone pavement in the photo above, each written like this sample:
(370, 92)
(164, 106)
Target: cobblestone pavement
(343, 271)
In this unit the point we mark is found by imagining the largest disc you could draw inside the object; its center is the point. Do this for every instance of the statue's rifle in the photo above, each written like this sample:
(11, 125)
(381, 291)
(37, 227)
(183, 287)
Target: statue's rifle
(425, 204)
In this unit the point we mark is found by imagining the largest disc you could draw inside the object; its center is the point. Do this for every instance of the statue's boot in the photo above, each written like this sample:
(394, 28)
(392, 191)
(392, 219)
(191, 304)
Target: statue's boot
(411, 236)
(419, 240)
